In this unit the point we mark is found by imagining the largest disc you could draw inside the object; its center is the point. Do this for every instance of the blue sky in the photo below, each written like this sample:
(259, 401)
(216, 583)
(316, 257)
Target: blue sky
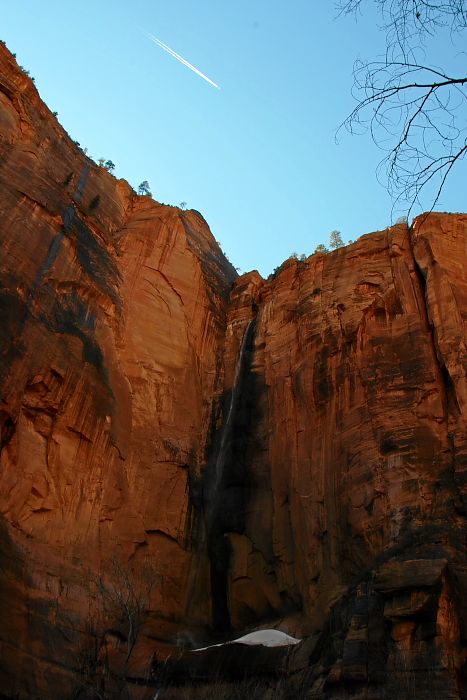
(258, 157)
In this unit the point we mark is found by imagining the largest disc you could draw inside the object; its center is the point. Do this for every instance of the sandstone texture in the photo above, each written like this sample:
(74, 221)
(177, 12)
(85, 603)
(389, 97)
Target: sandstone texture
(186, 453)
(113, 319)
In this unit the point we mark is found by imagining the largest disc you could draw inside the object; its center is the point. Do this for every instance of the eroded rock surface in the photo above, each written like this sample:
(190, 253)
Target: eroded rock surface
(113, 316)
(240, 452)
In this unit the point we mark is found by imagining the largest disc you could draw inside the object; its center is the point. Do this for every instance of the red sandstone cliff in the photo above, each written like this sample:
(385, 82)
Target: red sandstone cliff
(284, 450)
(113, 318)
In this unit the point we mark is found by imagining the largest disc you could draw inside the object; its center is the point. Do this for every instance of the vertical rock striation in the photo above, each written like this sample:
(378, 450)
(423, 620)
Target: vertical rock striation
(113, 315)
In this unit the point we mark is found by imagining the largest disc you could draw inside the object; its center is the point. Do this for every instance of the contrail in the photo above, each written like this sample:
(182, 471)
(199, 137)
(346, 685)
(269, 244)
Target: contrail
(180, 58)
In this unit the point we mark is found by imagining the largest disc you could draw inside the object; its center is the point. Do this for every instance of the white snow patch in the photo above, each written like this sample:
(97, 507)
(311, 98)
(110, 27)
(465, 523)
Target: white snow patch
(265, 638)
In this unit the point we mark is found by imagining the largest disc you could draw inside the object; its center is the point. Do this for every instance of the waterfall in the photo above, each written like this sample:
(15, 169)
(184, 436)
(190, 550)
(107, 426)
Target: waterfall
(223, 504)
(227, 427)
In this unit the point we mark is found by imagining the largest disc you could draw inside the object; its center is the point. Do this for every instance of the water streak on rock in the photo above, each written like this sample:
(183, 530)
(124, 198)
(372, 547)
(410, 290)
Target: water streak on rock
(230, 419)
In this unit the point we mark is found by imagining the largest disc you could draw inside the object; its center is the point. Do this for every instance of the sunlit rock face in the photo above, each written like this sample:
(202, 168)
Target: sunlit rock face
(113, 318)
(357, 444)
(284, 453)
(353, 458)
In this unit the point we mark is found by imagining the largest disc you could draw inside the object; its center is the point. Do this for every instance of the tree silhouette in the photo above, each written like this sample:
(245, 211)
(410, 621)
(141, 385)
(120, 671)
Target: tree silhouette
(143, 189)
(415, 110)
(109, 165)
(335, 240)
(321, 248)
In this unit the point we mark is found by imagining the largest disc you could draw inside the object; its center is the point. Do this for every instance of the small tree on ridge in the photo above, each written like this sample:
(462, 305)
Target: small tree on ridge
(143, 189)
(335, 240)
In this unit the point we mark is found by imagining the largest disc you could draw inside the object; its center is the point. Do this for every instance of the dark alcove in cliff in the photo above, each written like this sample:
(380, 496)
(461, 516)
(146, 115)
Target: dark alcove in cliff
(227, 479)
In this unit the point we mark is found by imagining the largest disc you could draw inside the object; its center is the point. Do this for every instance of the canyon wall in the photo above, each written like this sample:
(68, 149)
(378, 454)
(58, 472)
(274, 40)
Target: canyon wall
(286, 452)
(355, 458)
(113, 318)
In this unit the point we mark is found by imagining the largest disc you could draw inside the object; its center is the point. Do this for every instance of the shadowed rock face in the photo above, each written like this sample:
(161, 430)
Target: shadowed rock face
(289, 451)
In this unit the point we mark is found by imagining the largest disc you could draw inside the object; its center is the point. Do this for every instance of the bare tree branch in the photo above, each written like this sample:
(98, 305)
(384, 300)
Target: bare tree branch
(119, 601)
(415, 112)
